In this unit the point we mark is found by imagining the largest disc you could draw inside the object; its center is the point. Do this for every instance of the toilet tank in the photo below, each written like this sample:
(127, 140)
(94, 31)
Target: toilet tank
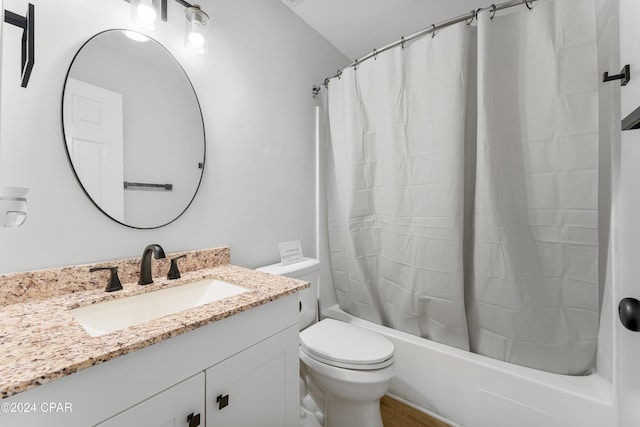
(308, 269)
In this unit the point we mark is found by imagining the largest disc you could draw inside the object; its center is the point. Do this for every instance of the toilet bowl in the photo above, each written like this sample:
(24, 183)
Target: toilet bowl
(352, 366)
(348, 367)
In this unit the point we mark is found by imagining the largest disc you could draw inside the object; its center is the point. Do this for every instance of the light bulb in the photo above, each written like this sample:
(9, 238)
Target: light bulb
(196, 40)
(147, 13)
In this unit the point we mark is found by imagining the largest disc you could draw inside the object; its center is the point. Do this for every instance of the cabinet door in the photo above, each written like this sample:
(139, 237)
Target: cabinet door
(258, 386)
(170, 408)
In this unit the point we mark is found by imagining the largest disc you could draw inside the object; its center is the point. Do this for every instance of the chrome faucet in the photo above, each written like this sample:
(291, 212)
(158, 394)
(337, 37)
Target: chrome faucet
(145, 263)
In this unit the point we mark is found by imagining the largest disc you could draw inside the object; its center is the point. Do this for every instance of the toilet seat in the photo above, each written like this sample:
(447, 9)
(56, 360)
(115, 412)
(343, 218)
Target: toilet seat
(347, 346)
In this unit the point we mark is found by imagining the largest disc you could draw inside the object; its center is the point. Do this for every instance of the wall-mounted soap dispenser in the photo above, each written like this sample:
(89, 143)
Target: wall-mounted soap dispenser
(13, 206)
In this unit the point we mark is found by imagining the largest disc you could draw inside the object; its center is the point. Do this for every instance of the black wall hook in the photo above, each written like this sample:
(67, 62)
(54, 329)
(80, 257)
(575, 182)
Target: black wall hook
(625, 76)
(27, 23)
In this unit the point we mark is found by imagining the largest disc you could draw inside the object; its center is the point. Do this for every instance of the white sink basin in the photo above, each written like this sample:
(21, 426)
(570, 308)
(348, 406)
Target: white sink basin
(109, 316)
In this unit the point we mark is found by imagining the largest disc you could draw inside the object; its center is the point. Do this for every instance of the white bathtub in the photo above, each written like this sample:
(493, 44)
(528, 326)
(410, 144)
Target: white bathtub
(470, 390)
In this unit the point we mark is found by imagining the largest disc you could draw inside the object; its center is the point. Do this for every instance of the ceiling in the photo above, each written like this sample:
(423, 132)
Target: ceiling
(356, 27)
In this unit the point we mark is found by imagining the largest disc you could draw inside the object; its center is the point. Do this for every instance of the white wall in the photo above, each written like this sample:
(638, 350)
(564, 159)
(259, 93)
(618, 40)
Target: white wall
(356, 27)
(609, 134)
(254, 87)
(626, 215)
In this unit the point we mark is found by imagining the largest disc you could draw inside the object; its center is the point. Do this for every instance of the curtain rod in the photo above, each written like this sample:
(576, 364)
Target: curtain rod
(430, 30)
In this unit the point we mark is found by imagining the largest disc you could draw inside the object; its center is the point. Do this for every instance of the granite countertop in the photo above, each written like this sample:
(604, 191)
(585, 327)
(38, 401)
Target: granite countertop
(41, 341)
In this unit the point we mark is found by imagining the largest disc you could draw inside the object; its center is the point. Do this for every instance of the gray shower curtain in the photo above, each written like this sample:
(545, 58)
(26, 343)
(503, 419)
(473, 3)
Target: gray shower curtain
(533, 297)
(498, 256)
(396, 213)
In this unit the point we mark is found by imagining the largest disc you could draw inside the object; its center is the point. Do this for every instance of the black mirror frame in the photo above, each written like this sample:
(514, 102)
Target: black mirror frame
(64, 137)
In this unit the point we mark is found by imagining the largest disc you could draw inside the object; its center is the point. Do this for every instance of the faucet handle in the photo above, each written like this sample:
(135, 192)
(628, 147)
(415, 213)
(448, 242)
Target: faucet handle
(174, 273)
(114, 281)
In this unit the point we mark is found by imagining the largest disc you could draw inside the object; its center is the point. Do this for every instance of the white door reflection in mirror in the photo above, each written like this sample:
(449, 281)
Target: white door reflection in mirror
(94, 134)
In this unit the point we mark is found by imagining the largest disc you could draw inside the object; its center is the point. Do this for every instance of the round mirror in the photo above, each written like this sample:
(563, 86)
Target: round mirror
(133, 129)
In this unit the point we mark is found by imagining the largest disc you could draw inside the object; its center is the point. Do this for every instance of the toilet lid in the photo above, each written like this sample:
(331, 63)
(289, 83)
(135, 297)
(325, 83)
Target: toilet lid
(344, 345)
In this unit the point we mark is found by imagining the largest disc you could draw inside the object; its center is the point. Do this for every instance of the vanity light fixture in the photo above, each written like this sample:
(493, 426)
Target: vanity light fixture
(27, 23)
(197, 24)
(148, 13)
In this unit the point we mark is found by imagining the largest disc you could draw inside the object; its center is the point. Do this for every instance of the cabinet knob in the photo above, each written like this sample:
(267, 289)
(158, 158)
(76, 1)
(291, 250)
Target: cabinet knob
(193, 420)
(222, 401)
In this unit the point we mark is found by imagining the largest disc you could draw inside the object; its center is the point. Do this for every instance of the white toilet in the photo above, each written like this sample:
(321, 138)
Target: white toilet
(345, 369)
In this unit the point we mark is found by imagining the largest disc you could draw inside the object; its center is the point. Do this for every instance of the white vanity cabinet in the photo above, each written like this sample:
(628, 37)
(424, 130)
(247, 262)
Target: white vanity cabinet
(180, 405)
(247, 389)
(251, 357)
(251, 388)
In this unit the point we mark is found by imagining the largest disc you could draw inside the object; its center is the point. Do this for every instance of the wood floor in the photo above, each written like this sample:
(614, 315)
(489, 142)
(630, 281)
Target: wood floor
(397, 414)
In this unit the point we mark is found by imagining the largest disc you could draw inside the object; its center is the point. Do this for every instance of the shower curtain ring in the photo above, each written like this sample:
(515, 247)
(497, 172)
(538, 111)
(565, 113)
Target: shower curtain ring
(526, 3)
(472, 17)
(402, 42)
(375, 55)
(433, 30)
(493, 11)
